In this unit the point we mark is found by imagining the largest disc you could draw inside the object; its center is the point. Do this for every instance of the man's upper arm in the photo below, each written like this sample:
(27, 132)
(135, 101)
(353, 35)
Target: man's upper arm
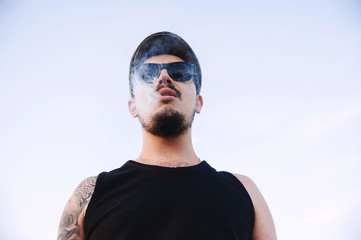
(263, 226)
(71, 223)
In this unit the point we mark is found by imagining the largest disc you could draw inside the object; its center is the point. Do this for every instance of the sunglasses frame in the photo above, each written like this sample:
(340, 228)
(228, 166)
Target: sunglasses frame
(161, 66)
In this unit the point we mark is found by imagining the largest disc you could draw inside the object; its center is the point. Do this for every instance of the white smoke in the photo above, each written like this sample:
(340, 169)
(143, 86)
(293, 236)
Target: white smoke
(146, 90)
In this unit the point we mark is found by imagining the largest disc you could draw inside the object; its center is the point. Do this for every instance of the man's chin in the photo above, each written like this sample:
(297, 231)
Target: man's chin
(166, 109)
(167, 123)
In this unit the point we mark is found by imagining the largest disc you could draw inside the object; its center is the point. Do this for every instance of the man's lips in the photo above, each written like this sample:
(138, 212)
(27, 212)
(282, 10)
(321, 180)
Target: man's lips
(167, 92)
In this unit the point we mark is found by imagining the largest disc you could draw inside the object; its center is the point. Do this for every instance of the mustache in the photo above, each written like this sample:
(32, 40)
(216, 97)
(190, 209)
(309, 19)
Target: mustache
(179, 94)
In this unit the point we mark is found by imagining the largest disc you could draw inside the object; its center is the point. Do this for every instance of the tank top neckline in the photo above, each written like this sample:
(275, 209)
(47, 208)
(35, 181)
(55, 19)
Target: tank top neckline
(198, 166)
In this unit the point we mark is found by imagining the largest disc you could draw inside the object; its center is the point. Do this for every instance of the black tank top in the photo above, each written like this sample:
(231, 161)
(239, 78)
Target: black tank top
(145, 202)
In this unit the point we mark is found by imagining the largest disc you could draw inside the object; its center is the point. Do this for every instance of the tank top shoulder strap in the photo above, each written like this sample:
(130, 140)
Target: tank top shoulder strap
(235, 182)
(230, 178)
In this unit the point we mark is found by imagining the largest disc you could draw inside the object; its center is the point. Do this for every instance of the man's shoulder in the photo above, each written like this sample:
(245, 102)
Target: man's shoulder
(245, 180)
(82, 194)
(86, 188)
(88, 182)
(71, 222)
(264, 225)
(249, 184)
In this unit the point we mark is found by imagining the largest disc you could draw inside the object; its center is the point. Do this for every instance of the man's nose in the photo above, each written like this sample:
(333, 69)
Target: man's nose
(164, 78)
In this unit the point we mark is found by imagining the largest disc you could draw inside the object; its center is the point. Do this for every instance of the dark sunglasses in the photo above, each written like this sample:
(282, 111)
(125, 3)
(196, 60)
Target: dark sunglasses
(178, 71)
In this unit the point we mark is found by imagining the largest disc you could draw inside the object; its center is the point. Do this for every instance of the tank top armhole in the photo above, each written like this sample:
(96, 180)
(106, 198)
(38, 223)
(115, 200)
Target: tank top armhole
(238, 182)
(98, 183)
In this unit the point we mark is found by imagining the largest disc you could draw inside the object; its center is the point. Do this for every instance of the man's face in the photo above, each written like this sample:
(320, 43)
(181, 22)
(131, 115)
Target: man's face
(164, 106)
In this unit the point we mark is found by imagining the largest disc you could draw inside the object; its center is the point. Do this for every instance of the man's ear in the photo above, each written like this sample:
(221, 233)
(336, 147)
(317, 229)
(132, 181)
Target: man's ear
(199, 103)
(132, 108)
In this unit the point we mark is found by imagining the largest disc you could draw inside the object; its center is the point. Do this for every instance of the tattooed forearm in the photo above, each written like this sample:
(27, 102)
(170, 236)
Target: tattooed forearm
(70, 227)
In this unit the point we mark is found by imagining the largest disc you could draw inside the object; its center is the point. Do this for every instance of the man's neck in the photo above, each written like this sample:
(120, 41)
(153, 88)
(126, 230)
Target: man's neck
(168, 152)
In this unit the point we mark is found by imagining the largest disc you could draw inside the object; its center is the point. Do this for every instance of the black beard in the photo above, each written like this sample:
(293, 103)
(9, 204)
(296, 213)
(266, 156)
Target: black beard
(167, 124)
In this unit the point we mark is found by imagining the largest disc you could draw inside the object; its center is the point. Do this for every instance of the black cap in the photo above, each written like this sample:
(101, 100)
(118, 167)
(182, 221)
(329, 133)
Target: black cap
(165, 43)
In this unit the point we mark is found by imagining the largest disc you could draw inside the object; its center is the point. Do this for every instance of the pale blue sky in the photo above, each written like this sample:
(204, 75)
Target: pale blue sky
(282, 103)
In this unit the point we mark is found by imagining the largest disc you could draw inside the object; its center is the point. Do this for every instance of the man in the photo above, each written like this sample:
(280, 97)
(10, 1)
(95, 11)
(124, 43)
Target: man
(167, 192)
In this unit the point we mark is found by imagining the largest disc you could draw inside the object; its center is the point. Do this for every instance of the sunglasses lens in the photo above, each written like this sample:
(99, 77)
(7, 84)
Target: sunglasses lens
(180, 71)
(148, 72)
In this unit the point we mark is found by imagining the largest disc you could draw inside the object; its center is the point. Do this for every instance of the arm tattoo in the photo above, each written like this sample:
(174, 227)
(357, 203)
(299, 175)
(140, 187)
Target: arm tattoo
(70, 224)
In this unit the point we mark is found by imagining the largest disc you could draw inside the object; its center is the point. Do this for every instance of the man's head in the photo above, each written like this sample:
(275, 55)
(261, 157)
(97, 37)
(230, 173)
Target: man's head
(165, 81)
(165, 43)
